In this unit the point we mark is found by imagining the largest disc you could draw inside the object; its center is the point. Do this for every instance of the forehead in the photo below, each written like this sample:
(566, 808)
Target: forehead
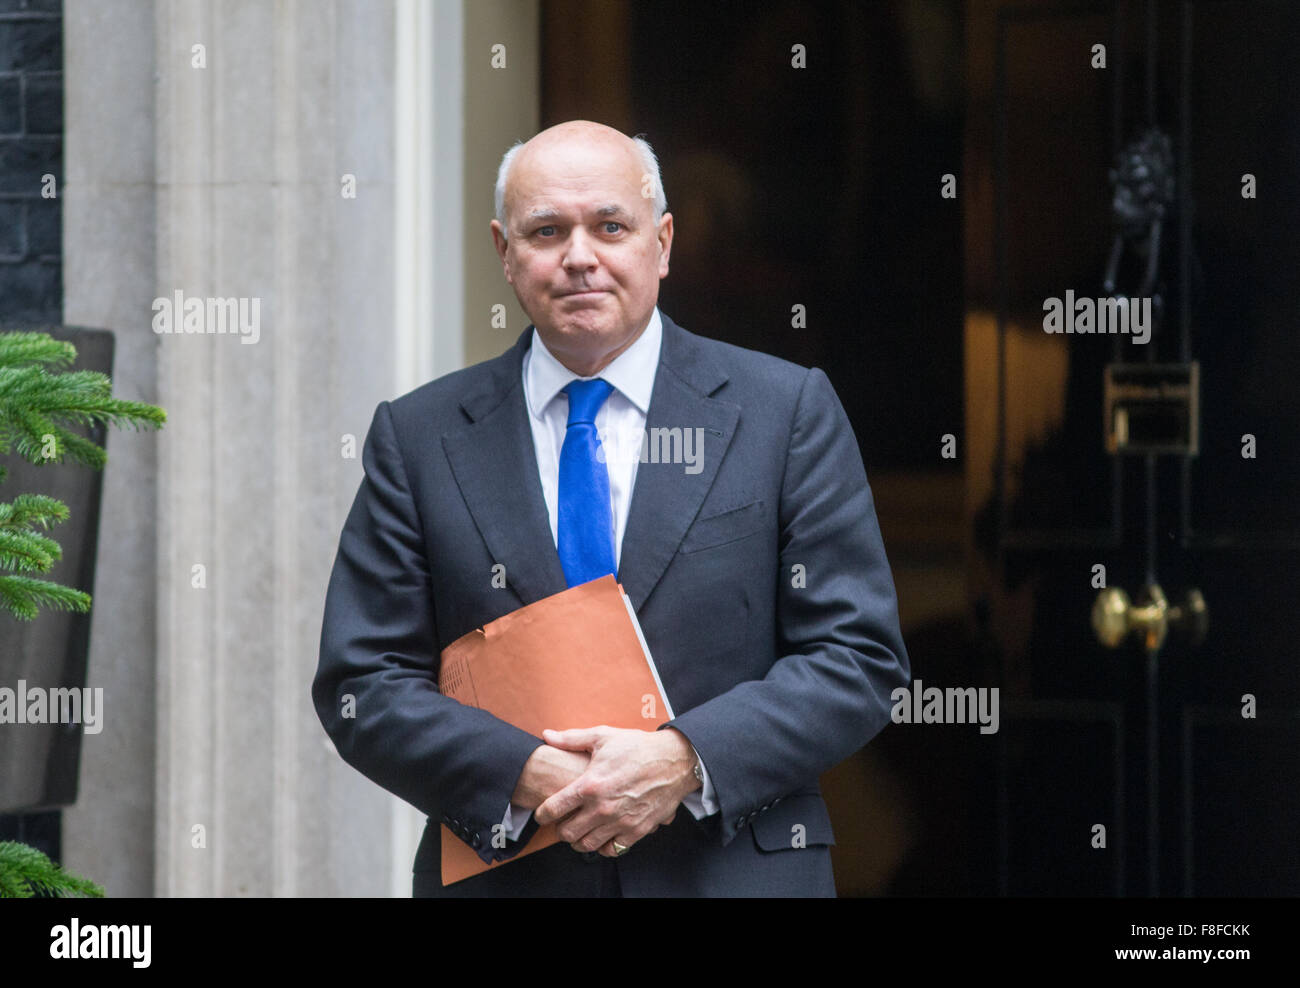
(576, 174)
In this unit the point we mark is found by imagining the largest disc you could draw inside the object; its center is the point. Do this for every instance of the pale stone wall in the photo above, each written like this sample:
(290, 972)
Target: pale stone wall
(225, 180)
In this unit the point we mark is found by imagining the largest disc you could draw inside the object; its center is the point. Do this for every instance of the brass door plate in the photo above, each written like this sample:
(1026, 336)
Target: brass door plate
(1152, 408)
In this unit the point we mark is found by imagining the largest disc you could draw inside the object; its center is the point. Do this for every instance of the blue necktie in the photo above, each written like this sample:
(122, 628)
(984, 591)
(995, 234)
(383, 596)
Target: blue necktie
(584, 523)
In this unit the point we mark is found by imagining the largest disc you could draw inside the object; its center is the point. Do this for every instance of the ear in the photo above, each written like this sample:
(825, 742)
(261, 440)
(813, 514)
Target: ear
(499, 241)
(665, 236)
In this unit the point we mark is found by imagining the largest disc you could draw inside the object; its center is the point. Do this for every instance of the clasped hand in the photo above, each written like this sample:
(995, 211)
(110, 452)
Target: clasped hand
(600, 784)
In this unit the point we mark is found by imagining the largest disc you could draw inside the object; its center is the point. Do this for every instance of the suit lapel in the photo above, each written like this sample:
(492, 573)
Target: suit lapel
(495, 467)
(507, 504)
(666, 499)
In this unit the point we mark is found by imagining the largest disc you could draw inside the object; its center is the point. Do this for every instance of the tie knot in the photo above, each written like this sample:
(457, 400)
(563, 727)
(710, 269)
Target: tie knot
(585, 399)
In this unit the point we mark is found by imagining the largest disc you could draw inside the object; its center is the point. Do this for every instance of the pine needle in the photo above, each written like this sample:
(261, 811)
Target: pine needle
(26, 872)
(40, 407)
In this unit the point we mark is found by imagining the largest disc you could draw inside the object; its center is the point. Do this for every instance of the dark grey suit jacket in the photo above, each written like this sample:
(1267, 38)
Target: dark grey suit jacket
(760, 582)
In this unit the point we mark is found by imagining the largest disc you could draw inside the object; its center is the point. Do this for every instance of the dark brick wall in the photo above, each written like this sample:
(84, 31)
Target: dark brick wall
(31, 146)
(31, 242)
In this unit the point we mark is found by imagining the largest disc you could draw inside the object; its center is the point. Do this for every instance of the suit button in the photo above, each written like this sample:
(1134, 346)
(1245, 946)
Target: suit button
(478, 840)
(740, 822)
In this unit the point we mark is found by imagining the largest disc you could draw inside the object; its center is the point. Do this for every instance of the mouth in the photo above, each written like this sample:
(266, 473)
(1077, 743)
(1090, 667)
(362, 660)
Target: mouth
(582, 295)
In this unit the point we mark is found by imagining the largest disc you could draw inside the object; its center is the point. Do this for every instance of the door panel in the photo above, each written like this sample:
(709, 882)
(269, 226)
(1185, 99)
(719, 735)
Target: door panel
(1195, 786)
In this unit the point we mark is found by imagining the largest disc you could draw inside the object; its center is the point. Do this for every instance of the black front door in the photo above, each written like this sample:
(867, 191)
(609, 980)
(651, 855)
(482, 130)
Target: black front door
(1169, 763)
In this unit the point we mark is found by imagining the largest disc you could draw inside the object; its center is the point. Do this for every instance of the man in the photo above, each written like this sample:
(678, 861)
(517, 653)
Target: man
(755, 567)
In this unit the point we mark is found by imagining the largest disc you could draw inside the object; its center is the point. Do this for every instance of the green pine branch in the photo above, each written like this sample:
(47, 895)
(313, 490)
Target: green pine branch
(40, 407)
(23, 549)
(23, 596)
(36, 408)
(20, 349)
(33, 509)
(25, 872)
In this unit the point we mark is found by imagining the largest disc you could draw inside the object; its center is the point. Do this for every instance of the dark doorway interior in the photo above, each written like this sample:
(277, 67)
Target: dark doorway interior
(817, 187)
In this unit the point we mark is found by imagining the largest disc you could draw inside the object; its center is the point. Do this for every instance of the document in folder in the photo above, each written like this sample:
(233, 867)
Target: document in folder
(574, 659)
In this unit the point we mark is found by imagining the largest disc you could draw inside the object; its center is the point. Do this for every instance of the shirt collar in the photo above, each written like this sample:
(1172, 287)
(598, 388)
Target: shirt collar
(632, 372)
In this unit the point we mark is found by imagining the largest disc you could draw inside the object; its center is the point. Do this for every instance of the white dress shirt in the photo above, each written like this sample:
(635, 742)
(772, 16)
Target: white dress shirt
(620, 424)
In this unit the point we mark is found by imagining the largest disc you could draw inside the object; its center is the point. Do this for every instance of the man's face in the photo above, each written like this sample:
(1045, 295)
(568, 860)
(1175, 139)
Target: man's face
(583, 252)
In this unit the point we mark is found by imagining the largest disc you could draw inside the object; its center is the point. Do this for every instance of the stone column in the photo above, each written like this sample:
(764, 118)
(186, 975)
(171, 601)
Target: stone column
(108, 282)
(275, 185)
(260, 152)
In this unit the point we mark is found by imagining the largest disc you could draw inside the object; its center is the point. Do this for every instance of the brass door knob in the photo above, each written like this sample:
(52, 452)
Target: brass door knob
(1114, 617)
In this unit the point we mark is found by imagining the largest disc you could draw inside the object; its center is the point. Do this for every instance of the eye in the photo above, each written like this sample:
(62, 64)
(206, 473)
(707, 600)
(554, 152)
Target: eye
(545, 231)
(613, 223)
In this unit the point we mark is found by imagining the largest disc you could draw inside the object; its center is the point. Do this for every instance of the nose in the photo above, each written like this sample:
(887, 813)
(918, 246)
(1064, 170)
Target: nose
(578, 254)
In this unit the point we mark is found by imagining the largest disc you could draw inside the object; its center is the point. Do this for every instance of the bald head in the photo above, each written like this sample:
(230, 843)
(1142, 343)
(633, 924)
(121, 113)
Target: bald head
(584, 238)
(581, 138)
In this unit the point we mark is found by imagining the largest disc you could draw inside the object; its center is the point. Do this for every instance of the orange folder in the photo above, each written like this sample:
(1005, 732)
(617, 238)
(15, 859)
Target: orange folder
(574, 659)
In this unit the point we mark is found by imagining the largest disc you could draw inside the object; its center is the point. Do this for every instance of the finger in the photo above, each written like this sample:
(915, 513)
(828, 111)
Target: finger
(609, 851)
(596, 839)
(576, 826)
(578, 739)
(560, 804)
(593, 826)
(627, 836)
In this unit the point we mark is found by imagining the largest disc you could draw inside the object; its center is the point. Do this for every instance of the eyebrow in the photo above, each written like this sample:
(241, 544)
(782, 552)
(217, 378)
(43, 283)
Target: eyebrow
(546, 214)
(541, 214)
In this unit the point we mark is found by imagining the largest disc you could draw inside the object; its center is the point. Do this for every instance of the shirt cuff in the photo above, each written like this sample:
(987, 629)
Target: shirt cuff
(515, 821)
(701, 802)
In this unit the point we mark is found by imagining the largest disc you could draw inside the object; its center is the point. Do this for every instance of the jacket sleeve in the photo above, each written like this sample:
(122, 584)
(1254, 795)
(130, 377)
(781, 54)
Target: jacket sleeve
(375, 689)
(840, 651)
